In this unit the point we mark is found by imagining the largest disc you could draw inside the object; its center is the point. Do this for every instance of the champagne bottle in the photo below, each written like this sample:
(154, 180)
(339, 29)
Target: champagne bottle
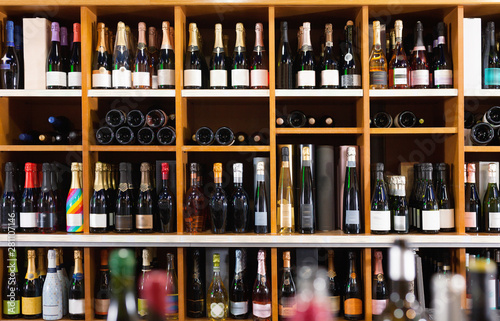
(204, 136)
(166, 135)
(166, 204)
(378, 62)
(101, 69)
(124, 203)
(239, 202)
(307, 209)
(56, 75)
(11, 288)
(491, 202)
(285, 208)
(238, 293)
(218, 203)
(261, 205)
(430, 216)
(142, 307)
(259, 74)
(47, 219)
(74, 203)
(195, 293)
(195, 204)
(52, 291)
(63, 280)
(224, 136)
(329, 65)
(31, 300)
(102, 290)
(261, 295)
(9, 206)
(353, 304)
(156, 118)
(194, 66)
(306, 75)
(172, 310)
(443, 196)
(333, 287)
(419, 75)
(64, 49)
(482, 134)
(218, 72)
(351, 213)
(146, 203)
(28, 214)
(76, 295)
(284, 68)
(240, 73)
(443, 65)
(398, 205)
(217, 298)
(75, 68)
(141, 77)
(472, 202)
(10, 68)
(153, 57)
(121, 73)
(399, 68)
(491, 60)
(99, 210)
(350, 72)
(380, 215)
(287, 291)
(122, 305)
(166, 62)
(380, 295)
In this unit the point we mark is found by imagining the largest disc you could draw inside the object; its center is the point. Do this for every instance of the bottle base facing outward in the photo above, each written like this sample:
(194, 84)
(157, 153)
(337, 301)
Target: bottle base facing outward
(77, 316)
(353, 317)
(32, 316)
(98, 230)
(379, 232)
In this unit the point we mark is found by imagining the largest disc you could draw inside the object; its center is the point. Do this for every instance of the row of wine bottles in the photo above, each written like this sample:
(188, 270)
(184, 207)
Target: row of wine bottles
(63, 133)
(404, 119)
(225, 136)
(297, 119)
(483, 127)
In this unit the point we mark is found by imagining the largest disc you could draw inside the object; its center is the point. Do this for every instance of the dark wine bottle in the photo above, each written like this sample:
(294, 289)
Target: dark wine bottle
(166, 204)
(56, 74)
(296, 119)
(124, 135)
(397, 205)
(351, 210)
(124, 203)
(261, 205)
(166, 62)
(18, 45)
(306, 74)
(153, 56)
(333, 287)
(353, 304)
(482, 134)
(218, 72)
(195, 74)
(10, 205)
(284, 68)
(146, 202)
(380, 295)
(64, 49)
(105, 135)
(287, 302)
(469, 119)
(75, 68)
(31, 299)
(101, 68)
(491, 59)
(122, 305)
(430, 216)
(156, 118)
(47, 219)
(380, 215)
(224, 136)
(204, 136)
(102, 289)
(141, 76)
(135, 118)
(76, 294)
(218, 203)
(10, 67)
(472, 201)
(382, 120)
(238, 293)
(329, 65)
(325, 121)
(240, 73)
(28, 214)
(491, 203)
(239, 202)
(443, 65)
(99, 211)
(195, 294)
(405, 119)
(307, 207)
(259, 138)
(166, 135)
(443, 196)
(419, 74)
(116, 118)
(242, 138)
(146, 136)
(492, 116)
(11, 288)
(350, 72)
(41, 268)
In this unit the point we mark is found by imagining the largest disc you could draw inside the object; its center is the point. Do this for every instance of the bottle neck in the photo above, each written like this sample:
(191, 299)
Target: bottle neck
(10, 37)
(419, 43)
(152, 39)
(492, 37)
(331, 267)
(240, 40)
(41, 264)
(306, 40)
(145, 181)
(75, 180)
(378, 267)
(471, 177)
(218, 43)
(399, 34)
(29, 180)
(164, 179)
(352, 266)
(376, 37)
(165, 44)
(46, 182)
(196, 267)
(328, 38)
(121, 38)
(349, 34)
(9, 182)
(284, 35)
(99, 182)
(78, 266)
(51, 265)
(170, 264)
(259, 40)
(194, 179)
(193, 40)
(123, 181)
(492, 176)
(101, 40)
(141, 40)
(31, 271)
(261, 268)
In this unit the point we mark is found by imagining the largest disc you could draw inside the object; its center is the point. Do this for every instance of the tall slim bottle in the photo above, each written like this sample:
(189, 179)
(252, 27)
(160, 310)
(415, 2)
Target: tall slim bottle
(64, 49)
(419, 75)
(195, 74)
(124, 203)
(218, 203)
(351, 209)
(56, 75)
(166, 62)
(443, 65)
(239, 202)
(350, 72)
(285, 208)
(102, 289)
(284, 68)
(378, 62)
(142, 308)
(10, 67)
(217, 298)
(63, 280)
(195, 204)
(75, 68)
(353, 304)
(76, 294)
(141, 78)
(399, 68)
(11, 288)
(101, 69)
(380, 295)
(491, 202)
(31, 300)
(259, 70)
(491, 59)
(430, 216)
(240, 73)
(47, 219)
(261, 296)
(195, 294)
(329, 65)
(472, 202)
(333, 287)
(52, 291)
(172, 310)
(121, 72)
(238, 293)
(123, 306)
(166, 204)
(306, 74)
(261, 215)
(10, 205)
(307, 208)
(380, 215)
(99, 210)
(74, 203)
(287, 307)
(443, 196)
(218, 72)
(146, 203)
(153, 57)
(29, 208)
(399, 208)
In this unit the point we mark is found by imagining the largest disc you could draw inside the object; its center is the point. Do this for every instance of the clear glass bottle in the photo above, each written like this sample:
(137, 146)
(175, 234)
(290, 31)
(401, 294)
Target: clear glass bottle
(378, 62)
(217, 298)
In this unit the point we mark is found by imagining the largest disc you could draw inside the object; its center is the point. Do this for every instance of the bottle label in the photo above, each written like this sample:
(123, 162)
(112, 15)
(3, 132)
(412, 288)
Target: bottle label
(141, 78)
(27, 219)
(494, 220)
(259, 78)
(56, 78)
(100, 80)
(111, 219)
(329, 77)
(122, 78)
(238, 308)
(98, 220)
(491, 294)
(154, 82)
(431, 221)
(260, 218)
(447, 217)
(287, 307)
(192, 78)
(11, 307)
(74, 79)
(470, 219)
(399, 223)
(468, 303)
(52, 311)
(350, 80)
(262, 310)
(378, 78)
(218, 78)
(144, 222)
(492, 76)
(334, 304)
(217, 310)
(353, 306)
(286, 215)
(123, 222)
(351, 217)
(400, 76)
(418, 214)
(101, 306)
(306, 215)
(31, 306)
(378, 306)
(419, 77)
(76, 306)
(166, 77)
(142, 307)
(46, 220)
(74, 221)
(240, 77)
(306, 78)
(172, 307)
(380, 220)
(443, 77)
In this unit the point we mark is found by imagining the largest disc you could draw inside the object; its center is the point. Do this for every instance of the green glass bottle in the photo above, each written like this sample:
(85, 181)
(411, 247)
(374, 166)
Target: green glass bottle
(491, 202)
(123, 305)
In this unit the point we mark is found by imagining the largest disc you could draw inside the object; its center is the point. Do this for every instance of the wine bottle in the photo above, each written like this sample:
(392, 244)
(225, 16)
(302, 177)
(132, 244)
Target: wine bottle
(307, 208)
(115, 118)
(242, 138)
(125, 136)
(398, 205)
(193, 62)
(10, 205)
(145, 136)
(217, 298)
(480, 269)
(172, 310)
(491, 202)
(195, 293)
(124, 203)
(353, 304)
(10, 68)
(18, 45)
(156, 118)
(195, 203)
(238, 293)
(491, 59)
(75, 68)
(472, 202)
(492, 116)
(141, 77)
(350, 72)
(122, 305)
(74, 203)
(224, 136)
(146, 207)
(99, 211)
(240, 73)
(166, 135)
(482, 134)
(76, 295)
(11, 288)
(218, 72)
(419, 74)
(380, 215)
(306, 75)
(445, 203)
(153, 57)
(378, 61)
(218, 203)
(166, 204)
(239, 202)
(329, 65)
(105, 135)
(381, 120)
(121, 73)
(56, 75)
(285, 208)
(204, 136)
(135, 118)
(41, 268)
(259, 74)
(469, 120)
(284, 68)
(142, 307)
(52, 296)
(325, 121)
(63, 280)
(101, 69)
(31, 300)
(260, 201)
(333, 287)
(380, 295)
(430, 216)
(287, 291)
(296, 119)
(166, 62)
(64, 49)
(406, 119)
(351, 219)
(47, 219)
(28, 214)
(261, 295)
(102, 289)
(443, 65)
(399, 68)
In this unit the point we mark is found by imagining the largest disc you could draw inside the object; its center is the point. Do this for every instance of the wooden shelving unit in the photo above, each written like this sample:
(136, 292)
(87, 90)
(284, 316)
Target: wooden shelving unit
(447, 137)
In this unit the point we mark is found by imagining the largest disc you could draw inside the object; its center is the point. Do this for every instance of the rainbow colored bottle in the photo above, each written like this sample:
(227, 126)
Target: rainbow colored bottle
(74, 202)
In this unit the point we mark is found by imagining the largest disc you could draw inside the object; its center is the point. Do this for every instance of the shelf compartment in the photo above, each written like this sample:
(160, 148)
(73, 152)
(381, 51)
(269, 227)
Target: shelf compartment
(131, 93)
(41, 148)
(245, 148)
(482, 149)
(334, 130)
(40, 93)
(319, 93)
(413, 92)
(414, 130)
(132, 148)
(222, 93)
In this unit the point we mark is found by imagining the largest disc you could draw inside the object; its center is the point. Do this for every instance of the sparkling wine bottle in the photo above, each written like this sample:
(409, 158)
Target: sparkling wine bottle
(10, 68)
(443, 65)
(11, 288)
(121, 73)
(195, 74)
(260, 203)
(166, 204)
(333, 287)
(329, 65)
(10, 205)
(31, 299)
(443, 196)
(398, 205)
(240, 73)
(141, 78)
(351, 209)
(76, 294)
(285, 208)
(124, 203)
(75, 68)
(153, 57)
(218, 203)
(378, 62)
(172, 307)
(399, 68)
(430, 216)
(56, 75)
(47, 219)
(350, 72)
(65, 49)
(306, 75)
(146, 203)
(102, 289)
(28, 214)
(18, 45)
(472, 202)
(74, 203)
(217, 297)
(419, 75)
(491, 202)
(259, 74)
(52, 305)
(63, 280)
(41, 269)
(238, 293)
(287, 291)
(284, 68)
(166, 135)
(101, 69)
(142, 307)
(380, 295)
(380, 215)
(99, 211)
(110, 193)
(353, 304)
(261, 295)
(195, 204)
(218, 72)
(195, 294)
(239, 202)
(166, 62)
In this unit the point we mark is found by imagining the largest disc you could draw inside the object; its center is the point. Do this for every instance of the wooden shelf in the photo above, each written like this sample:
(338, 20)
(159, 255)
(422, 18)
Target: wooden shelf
(40, 93)
(131, 93)
(132, 148)
(482, 149)
(225, 93)
(258, 148)
(481, 92)
(335, 130)
(41, 148)
(420, 93)
(319, 93)
(414, 130)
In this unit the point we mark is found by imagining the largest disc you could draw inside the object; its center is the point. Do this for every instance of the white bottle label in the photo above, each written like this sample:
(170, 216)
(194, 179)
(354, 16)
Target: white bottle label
(98, 220)
(192, 78)
(470, 219)
(447, 217)
(218, 78)
(76, 306)
(154, 82)
(74, 219)
(262, 310)
(494, 220)
(141, 78)
(351, 217)
(56, 78)
(166, 77)
(101, 80)
(378, 306)
(52, 312)
(350, 80)
(380, 220)
(217, 310)
(259, 78)
(399, 223)
(419, 77)
(122, 78)
(443, 77)
(329, 77)
(400, 76)
(239, 308)
(260, 218)
(74, 79)
(240, 77)
(286, 215)
(431, 220)
(27, 219)
(306, 78)
(491, 294)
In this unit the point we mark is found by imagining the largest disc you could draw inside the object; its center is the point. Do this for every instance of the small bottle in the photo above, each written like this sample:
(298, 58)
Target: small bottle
(287, 291)
(76, 295)
(74, 203)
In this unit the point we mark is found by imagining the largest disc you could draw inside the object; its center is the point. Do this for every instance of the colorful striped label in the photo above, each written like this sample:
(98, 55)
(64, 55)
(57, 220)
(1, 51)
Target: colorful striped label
(74, 211)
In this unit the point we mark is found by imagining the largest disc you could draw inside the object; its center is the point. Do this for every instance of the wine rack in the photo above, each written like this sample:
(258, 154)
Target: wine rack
(443, 110)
